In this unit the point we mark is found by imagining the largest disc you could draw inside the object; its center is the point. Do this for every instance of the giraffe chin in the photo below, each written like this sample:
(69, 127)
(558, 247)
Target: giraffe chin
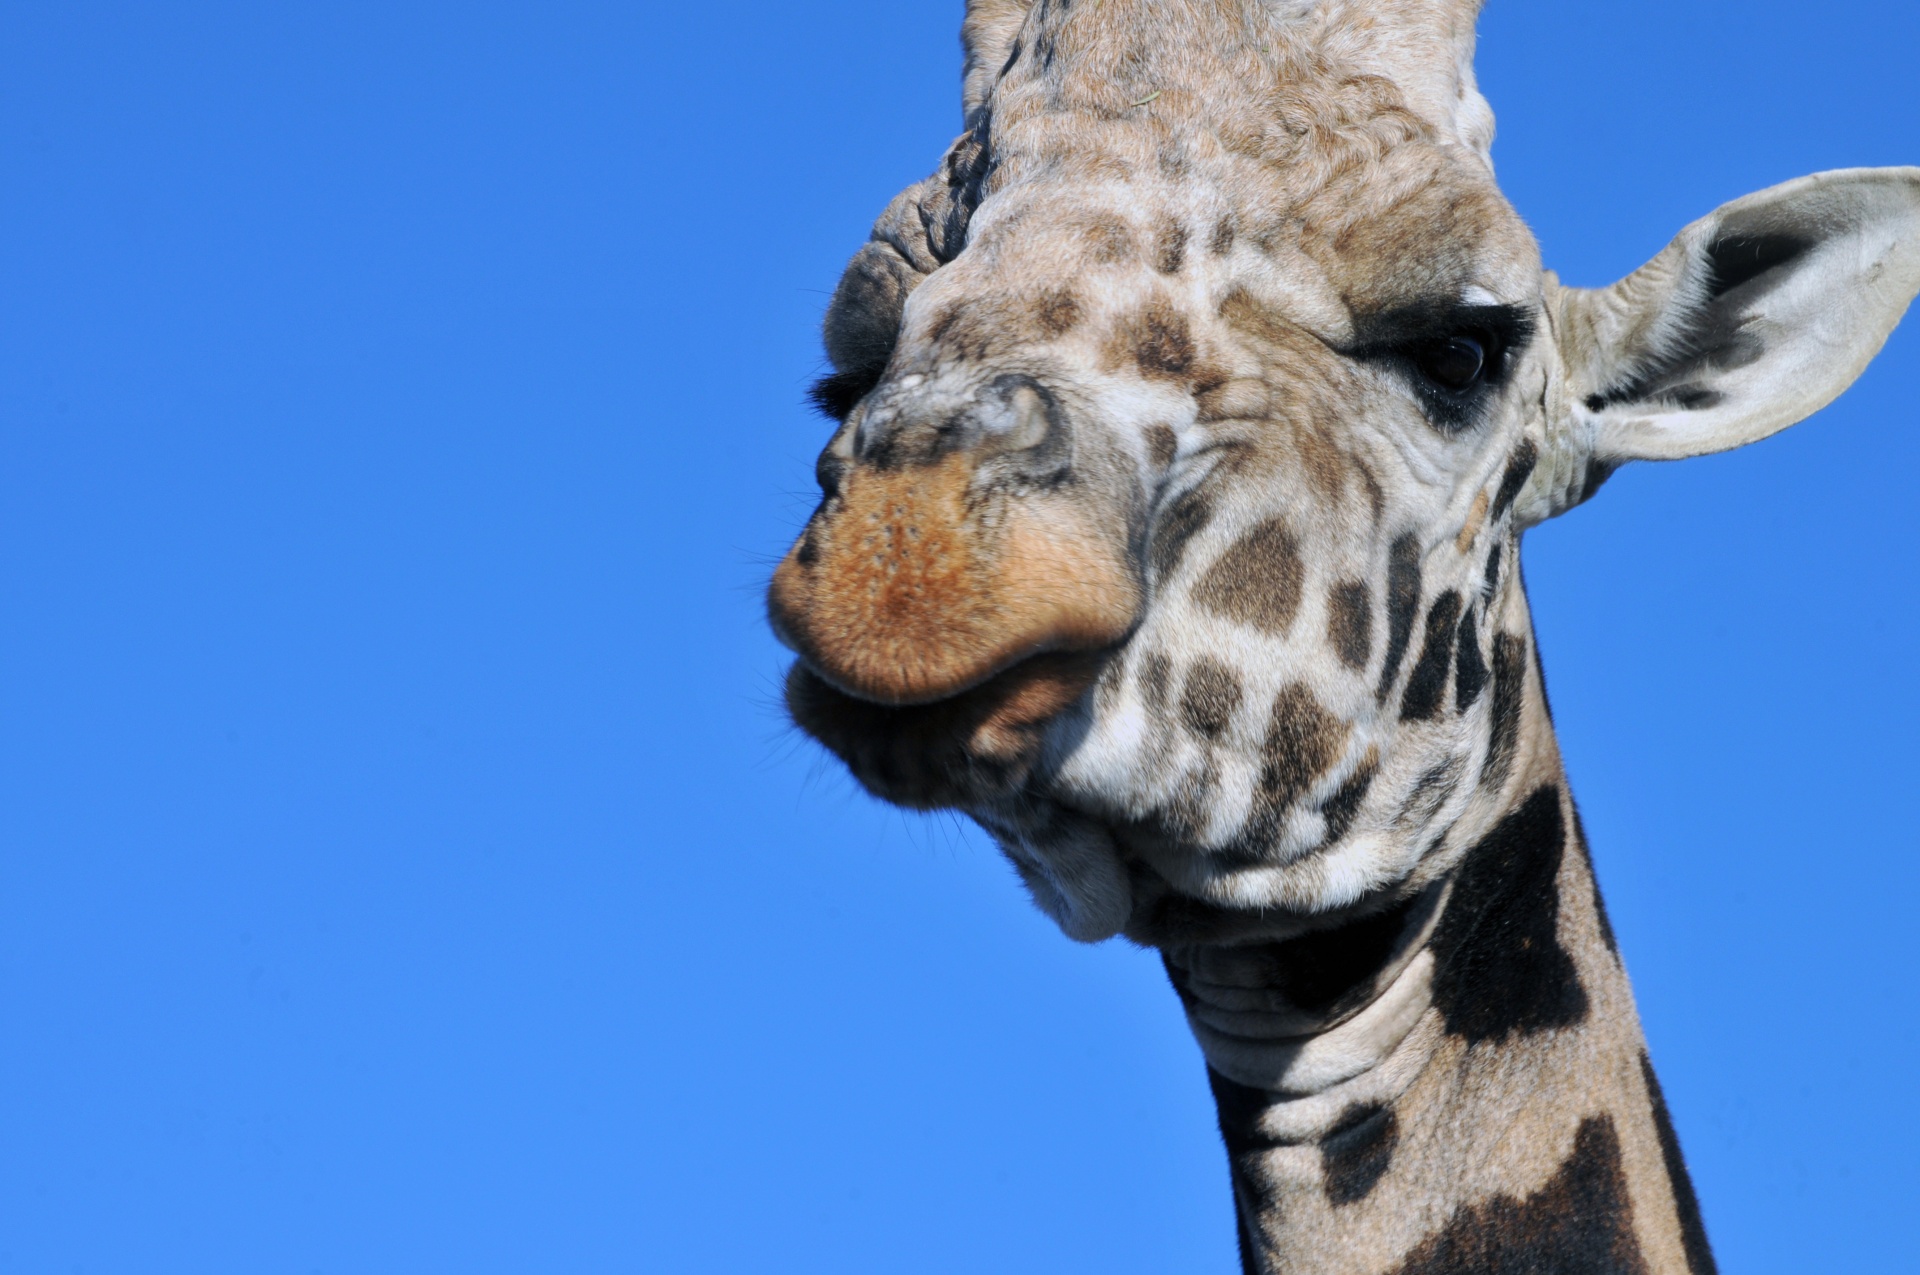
(969, 750)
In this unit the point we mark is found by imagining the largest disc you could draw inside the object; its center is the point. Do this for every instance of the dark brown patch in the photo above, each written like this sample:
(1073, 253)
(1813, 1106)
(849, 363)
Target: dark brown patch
(1187, 812)
(1499, 970)
(1509, 690)
(1491, 581)
(1357, 1151)
(1220, 242)
(1184, 517)
(970, 330)
(1519, 466)
(1403, 600)
(1320, 455)
(1170, 247)
(1579, 1223)
(1156, 675)
(1427, 685)
(1339, 809)
(1157, 340)
(1257, 581)
(1162, 444)
(1350, 623)
(1693, 1231)
(1303, 741)
(1211, 695)
(1108, 239)
(1057, 312)
(1470, 666)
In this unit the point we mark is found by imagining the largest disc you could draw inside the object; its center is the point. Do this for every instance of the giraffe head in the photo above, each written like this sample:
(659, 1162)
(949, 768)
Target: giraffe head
(1190, 415)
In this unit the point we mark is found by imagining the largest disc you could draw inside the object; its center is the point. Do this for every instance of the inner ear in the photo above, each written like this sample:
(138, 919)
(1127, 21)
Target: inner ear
(1712, 333)
(1736, 260)
(1755, 317)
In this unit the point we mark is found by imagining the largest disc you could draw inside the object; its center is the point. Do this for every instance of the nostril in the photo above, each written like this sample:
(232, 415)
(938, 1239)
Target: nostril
(1029, 427)
(1021, 419)
(1011, 415)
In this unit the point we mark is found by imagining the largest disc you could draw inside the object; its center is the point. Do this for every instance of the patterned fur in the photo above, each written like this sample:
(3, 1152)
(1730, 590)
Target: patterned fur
(1191, 415)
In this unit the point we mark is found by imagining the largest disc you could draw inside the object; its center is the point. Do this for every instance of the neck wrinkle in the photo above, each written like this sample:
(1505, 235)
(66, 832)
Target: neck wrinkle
(1263, 1022)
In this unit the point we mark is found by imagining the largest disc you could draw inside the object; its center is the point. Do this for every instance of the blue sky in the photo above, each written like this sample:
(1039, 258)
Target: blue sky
(404, 866)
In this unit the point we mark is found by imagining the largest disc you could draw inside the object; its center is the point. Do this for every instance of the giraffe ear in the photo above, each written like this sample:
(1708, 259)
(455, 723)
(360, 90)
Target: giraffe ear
(1755, 317)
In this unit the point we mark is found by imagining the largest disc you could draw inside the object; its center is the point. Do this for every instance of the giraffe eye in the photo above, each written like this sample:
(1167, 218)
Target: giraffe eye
(1455, 363)
(1451, 356)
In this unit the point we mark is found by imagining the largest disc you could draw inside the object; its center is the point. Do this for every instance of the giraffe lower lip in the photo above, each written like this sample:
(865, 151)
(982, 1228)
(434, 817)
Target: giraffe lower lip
(975, 746)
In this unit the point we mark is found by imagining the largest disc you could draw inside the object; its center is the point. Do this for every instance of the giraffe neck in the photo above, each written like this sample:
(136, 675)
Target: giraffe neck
(1474, 1093)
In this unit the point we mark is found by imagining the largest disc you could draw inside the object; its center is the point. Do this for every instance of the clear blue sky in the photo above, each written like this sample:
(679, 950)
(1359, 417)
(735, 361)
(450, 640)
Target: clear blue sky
(403, 864)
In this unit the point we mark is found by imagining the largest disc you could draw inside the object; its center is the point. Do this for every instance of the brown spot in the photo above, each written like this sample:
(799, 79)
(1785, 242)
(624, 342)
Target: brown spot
(1318, 454)
(1108, 240)
(1057, 312)
(1257, 581)
(1427, 684)
(1184, 517)
(1170, 247)
(1303, 741)
(1475, 516)
(1156, 672)
(910, 597)
(972, 330)
(1350, 623)
(1162, 444)
(1509, 691)
(1403, 599)
(1519, 467)
(1157, 340)
(1220, 243)
(1339, 809)
(1212, 694)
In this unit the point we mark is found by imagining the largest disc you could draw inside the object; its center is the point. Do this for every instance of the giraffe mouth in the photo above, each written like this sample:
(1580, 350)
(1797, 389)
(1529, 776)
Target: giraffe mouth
(973, 748)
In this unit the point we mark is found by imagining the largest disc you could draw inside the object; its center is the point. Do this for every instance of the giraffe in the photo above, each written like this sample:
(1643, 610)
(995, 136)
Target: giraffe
(1189, 418)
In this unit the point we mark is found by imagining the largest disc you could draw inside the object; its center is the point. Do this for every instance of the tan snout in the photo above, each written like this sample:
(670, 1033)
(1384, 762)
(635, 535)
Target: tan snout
(909, 587)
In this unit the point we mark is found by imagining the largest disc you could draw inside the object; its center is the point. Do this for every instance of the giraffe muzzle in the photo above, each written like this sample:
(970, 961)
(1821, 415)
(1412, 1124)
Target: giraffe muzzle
(945, 554)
